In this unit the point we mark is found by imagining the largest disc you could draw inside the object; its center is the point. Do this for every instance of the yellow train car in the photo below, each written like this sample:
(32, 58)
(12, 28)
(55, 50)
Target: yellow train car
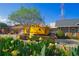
(37, 30)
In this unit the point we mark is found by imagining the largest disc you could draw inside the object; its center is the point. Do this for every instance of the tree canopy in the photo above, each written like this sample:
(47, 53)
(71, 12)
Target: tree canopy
(26, 16)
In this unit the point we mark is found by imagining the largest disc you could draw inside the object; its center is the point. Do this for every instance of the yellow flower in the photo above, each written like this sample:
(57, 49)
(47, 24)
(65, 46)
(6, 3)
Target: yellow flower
(15, 52)
(50, 45)
(12, 41)
(55, 43)
(33, 41)
(40, 38)
(10, 47)
(31, 35)
(28, 41)
(5, 50)
(18, 36)
(21, 40)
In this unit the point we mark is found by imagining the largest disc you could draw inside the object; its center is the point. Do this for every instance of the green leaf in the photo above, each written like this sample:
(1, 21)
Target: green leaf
(43, 51)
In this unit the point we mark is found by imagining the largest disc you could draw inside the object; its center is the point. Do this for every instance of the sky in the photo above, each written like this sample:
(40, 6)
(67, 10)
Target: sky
(50, 12)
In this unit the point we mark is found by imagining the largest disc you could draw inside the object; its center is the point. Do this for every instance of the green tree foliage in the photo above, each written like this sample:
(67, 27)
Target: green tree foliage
(26, 16)
(3, 25)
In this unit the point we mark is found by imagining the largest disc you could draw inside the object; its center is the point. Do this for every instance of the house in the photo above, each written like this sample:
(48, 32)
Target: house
(69, 26)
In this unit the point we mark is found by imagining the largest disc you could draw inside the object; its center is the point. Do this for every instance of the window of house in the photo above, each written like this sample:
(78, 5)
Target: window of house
(78, 29)
(73, 30)
(64, 29)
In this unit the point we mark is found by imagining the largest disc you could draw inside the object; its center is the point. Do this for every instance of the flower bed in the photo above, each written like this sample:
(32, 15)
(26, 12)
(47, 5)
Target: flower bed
(34, 46)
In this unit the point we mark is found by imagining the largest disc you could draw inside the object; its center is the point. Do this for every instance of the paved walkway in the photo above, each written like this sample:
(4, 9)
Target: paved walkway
(68, 42)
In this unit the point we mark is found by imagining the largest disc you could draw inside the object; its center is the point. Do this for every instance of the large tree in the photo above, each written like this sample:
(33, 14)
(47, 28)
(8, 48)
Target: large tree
(26, 16)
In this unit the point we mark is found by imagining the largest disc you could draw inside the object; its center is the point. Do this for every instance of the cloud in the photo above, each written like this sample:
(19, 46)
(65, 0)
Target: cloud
(52, 25)
(3, 19)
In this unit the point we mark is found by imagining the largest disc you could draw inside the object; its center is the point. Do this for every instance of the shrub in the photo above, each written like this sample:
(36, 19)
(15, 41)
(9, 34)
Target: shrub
(77, 35)
(69, 34)
(60, 34)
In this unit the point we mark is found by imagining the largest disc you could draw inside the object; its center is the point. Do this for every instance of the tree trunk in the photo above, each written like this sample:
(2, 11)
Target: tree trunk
(28, 29)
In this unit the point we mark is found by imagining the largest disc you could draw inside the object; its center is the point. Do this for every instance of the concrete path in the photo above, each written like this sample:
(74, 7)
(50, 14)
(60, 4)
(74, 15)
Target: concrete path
(68, 42)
